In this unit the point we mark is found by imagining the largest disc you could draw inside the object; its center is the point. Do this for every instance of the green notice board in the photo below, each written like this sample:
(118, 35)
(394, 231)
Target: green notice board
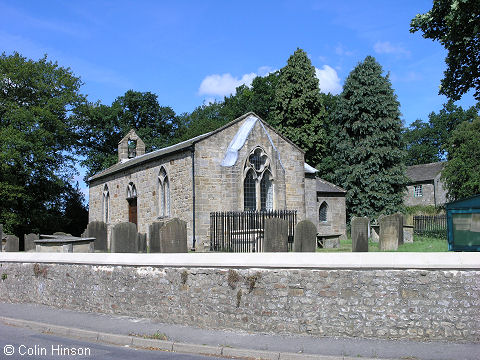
(464, 230)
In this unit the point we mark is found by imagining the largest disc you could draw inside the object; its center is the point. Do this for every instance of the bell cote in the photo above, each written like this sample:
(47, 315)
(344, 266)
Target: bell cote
(130, 146)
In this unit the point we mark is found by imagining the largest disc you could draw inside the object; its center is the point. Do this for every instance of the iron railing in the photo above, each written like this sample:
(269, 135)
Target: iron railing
(430, 225)
(243, 231)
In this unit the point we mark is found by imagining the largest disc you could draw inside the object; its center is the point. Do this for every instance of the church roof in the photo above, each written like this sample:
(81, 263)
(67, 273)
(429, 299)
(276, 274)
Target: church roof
(182, 146)
(424, 172)
(327, 187)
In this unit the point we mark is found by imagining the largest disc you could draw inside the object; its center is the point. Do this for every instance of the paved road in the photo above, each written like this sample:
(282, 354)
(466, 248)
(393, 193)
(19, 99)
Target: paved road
(27, 344)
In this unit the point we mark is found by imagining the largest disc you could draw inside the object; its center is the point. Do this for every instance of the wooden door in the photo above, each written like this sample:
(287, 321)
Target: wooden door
(132, 210)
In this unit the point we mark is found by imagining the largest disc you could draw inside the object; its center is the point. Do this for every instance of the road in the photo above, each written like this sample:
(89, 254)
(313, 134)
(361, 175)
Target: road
(27, 344)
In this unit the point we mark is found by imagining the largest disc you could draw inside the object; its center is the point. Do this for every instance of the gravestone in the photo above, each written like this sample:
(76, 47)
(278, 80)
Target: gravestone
(359, 229)
(98, 230)
(173, 236)
(305, 239)
(142, 243)
(124, 238)
(12, 244)
(1, 237)
(400, 227)
(154, 234)
(275, 235)
(390, 232)
(408, 233)
(29, 241)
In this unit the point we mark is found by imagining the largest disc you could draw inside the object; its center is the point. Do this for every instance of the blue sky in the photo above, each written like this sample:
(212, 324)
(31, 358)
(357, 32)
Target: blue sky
(188, 52)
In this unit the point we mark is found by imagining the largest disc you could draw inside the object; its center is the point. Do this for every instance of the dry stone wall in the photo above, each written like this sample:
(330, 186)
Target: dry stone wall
(419, 305)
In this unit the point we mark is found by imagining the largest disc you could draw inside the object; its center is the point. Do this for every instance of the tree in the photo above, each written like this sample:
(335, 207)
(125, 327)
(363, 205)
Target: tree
(461, 173)
(455, 23)
(298, 111)
(428, 142)
(101, 127)
(36, 141)
(370, 144)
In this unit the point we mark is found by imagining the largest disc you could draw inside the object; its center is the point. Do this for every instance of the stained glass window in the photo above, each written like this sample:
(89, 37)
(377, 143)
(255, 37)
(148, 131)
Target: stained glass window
(322, 212)
(249, 192)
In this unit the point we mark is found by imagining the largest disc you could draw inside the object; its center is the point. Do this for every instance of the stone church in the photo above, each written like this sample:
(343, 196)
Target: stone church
(244, 165)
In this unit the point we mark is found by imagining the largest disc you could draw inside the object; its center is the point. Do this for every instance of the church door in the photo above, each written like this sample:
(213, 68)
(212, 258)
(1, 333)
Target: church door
(132, 210)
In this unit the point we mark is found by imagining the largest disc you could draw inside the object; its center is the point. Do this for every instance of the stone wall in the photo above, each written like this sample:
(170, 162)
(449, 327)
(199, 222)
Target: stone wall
(370, 302)
(145, 178)
(336, 215)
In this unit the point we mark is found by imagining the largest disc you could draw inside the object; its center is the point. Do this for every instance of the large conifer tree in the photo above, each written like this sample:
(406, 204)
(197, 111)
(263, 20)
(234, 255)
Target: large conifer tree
(298, 111)
(369, 144)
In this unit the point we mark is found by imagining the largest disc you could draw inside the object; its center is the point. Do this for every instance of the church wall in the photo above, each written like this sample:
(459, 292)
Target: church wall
(145, 178)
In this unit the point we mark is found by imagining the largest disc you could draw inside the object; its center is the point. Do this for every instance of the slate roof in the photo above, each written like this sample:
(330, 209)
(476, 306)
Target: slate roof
(424, 172)
(327, 187)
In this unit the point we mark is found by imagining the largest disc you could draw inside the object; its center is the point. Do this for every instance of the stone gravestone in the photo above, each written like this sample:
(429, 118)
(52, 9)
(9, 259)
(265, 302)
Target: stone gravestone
(98, 230)
(400, 228)
(173, 236)
(1, 237)
(359, 229)
(305, 239)
(154, 234)
(124, 238)
(142, 243)
(12, 244)
(29, 241)
(275, 235)
(390, 232)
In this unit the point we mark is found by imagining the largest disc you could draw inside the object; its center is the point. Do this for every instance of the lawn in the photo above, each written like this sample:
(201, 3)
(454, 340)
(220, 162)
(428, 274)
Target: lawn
(420, 244)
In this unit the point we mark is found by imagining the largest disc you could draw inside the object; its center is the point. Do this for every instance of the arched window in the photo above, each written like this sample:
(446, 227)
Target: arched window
(266, 191)
(106, 204)
(163, 193)
(132, 203)
(322, 212)
(258, 182)
(249, 192)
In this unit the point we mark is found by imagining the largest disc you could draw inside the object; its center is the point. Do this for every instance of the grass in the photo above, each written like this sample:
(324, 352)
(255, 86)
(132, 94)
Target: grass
(420, 244)
(155, 336)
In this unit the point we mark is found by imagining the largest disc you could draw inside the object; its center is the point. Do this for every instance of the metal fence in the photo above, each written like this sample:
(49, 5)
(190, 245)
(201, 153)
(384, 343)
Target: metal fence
(243, 231)
(430, 225)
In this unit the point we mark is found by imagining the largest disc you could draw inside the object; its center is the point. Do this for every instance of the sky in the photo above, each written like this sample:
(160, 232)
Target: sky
(191, 52)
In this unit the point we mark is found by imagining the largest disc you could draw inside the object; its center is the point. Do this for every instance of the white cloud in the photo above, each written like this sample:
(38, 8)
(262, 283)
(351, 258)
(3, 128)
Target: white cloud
(223, 85)
(385, 47)
(342, 51)
(329, 80)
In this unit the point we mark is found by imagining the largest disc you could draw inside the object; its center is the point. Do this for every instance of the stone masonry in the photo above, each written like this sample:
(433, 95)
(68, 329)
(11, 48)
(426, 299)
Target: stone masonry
(421, 305)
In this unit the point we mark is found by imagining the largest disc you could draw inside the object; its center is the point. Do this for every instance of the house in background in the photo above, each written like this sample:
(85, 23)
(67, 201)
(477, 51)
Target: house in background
(243, 166)
(425, 186)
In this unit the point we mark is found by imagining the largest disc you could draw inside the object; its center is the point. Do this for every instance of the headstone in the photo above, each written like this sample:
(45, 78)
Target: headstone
(359, 229)
(98, 230)
(1, 237)
(408, 234)
(12, 244)
(390, 232)
(275, 235)
(29, 241)
(142, 243)
(61, 233)
(400, 227)
(305, 239)
(154, 234)
(124, 238)
(374, 232)
(173, 236)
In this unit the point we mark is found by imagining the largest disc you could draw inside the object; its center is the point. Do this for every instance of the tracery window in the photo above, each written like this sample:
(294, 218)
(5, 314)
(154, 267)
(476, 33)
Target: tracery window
(258, 182)
(163, 193)
(106, 204)
(322, 212)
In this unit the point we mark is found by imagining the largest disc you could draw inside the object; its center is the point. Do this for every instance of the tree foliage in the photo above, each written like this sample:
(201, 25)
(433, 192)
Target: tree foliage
(461, 173)
(101, 127)
(298, 111)
(36, 140)
(370, 144)
(456, 25)
(428, 142)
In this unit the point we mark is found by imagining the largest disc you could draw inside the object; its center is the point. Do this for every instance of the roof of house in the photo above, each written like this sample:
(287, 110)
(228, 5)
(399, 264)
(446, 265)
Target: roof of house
(328, 187)
(424, 172)
(182, 146)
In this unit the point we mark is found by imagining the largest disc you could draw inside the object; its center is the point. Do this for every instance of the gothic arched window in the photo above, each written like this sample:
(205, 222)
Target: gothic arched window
(258, 182)
(163, 193)
(132, 203)
(106, 204)
(322, 212)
